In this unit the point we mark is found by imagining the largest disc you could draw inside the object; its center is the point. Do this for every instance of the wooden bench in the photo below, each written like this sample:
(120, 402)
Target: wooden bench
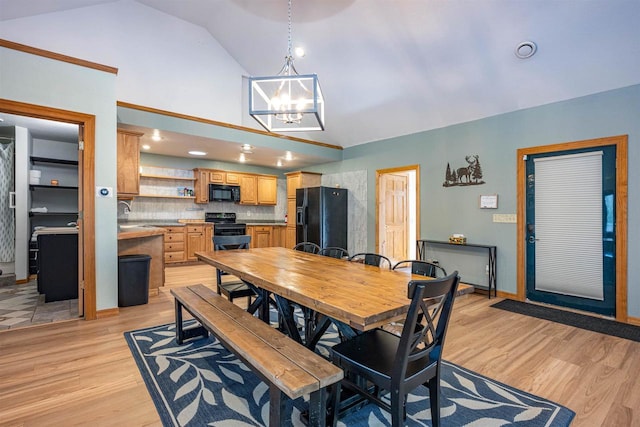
(286, 366)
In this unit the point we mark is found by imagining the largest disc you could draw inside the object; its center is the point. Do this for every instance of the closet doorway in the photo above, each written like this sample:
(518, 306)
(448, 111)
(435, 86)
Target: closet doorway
(86, 183)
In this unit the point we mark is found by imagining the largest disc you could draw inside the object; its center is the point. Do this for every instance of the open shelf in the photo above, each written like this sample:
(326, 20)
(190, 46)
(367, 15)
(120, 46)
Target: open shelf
(48, 187)
(160, 196)
(165, 177)
(47, 160)
(53, 213)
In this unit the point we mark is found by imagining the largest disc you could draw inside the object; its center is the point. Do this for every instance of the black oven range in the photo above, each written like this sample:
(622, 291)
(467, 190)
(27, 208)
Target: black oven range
(224, 224)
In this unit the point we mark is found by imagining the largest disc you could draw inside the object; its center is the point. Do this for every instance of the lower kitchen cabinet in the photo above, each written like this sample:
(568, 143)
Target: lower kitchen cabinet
(195, 241)
(181, 243)
(264, 236)
(174, 245)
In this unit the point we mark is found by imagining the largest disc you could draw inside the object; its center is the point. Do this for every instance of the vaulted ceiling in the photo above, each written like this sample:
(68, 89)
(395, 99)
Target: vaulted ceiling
(396, 67)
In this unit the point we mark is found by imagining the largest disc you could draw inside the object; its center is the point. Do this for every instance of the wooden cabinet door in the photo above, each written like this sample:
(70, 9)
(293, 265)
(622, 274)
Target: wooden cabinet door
(201, 185)
(248, 190)
(128, 163)
(232, 178)
(290, 237)
(208, 237)
(195, 241)
(293, 183)
(216, 177)
(262, 236)
(267, 190)
(279, 236)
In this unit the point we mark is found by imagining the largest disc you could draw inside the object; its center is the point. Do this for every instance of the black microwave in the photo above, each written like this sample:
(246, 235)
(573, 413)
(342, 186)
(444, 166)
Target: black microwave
(224, 193)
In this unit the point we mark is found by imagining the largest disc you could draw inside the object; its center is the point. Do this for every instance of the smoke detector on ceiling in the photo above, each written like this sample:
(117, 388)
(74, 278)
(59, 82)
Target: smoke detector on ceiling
(526, 49)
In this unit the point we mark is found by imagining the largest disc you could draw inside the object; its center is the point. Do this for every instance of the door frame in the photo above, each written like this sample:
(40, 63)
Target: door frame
(86, 215)
(620, 142)
(379, 173)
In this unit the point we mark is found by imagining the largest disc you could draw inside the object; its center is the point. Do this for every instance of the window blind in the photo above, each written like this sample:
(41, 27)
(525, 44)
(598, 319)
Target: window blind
(568, 225)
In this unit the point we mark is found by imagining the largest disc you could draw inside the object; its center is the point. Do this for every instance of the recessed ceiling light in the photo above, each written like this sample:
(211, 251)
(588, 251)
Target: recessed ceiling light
(242, 158)
(288, 156)
(279, 163)
(156, 135)
(246, 148)
(526, 49)
(146, 147)
(197, 153)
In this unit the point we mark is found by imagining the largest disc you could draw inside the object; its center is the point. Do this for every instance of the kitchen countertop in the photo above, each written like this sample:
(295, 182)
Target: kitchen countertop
(261, 222)
(139, 232)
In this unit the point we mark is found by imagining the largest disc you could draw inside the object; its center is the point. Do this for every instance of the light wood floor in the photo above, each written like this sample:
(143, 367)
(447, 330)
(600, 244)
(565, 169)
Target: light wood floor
(82, 373)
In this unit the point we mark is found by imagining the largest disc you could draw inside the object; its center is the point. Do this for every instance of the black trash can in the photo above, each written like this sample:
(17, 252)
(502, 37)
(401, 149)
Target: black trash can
(133, 280)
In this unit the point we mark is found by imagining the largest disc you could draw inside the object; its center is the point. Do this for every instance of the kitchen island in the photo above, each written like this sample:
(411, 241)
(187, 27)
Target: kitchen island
(145, 240)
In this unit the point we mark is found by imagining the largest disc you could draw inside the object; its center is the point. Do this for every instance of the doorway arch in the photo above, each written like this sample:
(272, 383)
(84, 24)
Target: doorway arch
(86, 202)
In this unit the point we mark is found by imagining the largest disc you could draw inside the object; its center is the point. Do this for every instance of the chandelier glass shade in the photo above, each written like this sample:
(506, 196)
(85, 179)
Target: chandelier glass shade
(287, 101)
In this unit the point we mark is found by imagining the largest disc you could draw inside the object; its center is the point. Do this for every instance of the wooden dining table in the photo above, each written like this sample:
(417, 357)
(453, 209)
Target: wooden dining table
(358, 296)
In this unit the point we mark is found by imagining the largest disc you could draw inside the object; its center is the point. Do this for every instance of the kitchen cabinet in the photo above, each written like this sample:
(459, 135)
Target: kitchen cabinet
(248, 190)
(128, 163)
(224, 177)
(201, 185)
(195, 241)
(260, 235)
(174, 245)
(297, 180)
(267, 193)
(279, 236)
(182, 242)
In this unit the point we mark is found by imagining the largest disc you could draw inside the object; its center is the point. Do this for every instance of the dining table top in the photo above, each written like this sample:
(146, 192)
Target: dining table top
(359, 295)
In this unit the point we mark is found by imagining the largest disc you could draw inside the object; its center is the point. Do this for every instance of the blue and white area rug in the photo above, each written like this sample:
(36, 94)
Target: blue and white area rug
(203, 384)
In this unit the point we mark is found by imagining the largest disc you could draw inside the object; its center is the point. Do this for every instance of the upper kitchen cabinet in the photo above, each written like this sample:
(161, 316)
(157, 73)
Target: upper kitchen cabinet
(224, 177)
(128, 163)
(258, 189)
(267, 190)
(201, 185)
(248, 190)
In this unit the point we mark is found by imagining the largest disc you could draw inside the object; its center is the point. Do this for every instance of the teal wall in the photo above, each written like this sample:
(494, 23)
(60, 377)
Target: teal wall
(42, 81)
(445, 211)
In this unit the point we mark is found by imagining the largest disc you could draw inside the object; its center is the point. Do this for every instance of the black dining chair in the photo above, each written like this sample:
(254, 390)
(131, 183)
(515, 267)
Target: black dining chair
(234, 288)
(399, 364)
(422, 268)
(369, 258)
(310, 247)
(334, 252)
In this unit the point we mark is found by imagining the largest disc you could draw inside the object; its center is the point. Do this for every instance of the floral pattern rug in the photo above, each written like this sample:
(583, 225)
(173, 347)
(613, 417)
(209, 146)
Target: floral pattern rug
(201, 383)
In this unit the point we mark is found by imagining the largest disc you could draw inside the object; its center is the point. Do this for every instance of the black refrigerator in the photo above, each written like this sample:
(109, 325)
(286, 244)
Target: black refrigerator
(321, 216)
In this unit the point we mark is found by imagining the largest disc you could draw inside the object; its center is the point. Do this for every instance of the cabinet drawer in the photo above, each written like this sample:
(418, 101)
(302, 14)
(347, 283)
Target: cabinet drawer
(195, 228)
(174, 237)
(262, 228)
(174, 229)
(174, 256)
(173, 246)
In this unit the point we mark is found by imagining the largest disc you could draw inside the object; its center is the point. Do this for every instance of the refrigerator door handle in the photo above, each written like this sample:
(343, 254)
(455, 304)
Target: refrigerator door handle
(300, 216)
(12, 199)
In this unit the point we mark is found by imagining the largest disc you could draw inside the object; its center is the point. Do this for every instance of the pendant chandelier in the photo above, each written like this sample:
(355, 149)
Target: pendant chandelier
(288, 101)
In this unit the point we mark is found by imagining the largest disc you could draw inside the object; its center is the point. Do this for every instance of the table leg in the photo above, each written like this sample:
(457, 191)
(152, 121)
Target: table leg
(286, 316)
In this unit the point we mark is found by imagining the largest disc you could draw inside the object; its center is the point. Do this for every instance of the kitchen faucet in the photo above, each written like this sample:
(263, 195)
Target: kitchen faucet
(127, 206)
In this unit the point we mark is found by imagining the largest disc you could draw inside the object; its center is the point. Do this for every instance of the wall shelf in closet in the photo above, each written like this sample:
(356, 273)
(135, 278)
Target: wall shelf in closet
(42, 160)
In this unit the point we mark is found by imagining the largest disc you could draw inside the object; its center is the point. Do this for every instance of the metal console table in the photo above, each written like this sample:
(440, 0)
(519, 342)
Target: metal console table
(421, 246)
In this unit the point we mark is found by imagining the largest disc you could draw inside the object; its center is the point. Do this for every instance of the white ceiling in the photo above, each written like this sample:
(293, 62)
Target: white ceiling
(394, 67)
